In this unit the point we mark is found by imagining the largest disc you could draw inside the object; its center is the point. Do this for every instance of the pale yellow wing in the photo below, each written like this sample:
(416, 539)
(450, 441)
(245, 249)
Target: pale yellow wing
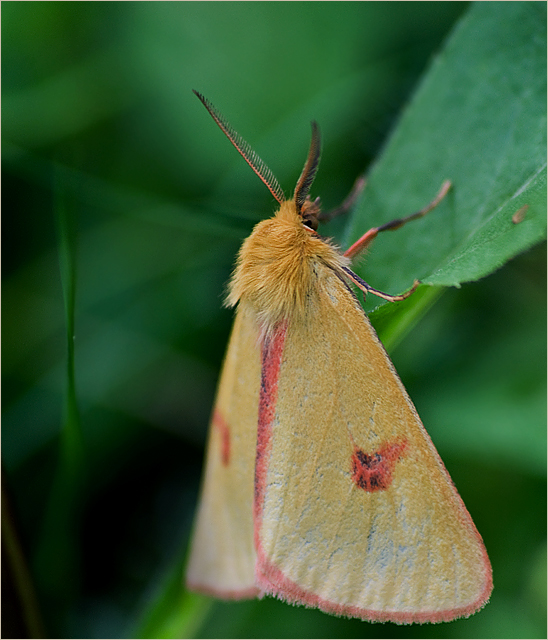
(359, 516)
(222, 555)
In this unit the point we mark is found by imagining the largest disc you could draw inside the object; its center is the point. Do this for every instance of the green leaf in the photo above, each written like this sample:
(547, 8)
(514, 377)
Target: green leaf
(478, 119)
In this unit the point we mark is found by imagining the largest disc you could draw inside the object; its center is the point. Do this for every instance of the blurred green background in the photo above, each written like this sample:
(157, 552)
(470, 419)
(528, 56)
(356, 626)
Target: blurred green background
(123, 208)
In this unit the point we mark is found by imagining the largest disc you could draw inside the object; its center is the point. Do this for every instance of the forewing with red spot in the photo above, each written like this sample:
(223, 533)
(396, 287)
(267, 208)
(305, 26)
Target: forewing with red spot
(354, 510)
(222, 554)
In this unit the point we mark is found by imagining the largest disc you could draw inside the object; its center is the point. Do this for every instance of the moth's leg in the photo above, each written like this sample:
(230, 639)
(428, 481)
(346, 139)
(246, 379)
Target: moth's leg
(366, 288)
(368, 237)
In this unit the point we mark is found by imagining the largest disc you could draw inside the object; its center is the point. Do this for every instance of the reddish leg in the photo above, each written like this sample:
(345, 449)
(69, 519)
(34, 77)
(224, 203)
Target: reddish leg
(368, 237)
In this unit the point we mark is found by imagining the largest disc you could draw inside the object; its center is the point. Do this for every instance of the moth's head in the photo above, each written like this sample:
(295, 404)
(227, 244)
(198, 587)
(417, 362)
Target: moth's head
(310, 213)
(277, 266)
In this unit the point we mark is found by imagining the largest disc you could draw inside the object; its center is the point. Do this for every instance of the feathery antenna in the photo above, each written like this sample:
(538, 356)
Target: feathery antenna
(310, 168)
(252, 159)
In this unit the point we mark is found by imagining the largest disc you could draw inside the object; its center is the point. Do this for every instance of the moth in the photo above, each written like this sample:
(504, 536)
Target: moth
(321, 485)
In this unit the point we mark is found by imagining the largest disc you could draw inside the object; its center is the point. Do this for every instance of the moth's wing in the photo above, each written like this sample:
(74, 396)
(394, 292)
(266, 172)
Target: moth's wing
(355, 512)
(222, 555)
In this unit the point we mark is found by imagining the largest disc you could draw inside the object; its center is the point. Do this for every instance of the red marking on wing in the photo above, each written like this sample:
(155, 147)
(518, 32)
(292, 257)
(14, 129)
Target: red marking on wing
(220, 423)
(272, 350)
(373, 472)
